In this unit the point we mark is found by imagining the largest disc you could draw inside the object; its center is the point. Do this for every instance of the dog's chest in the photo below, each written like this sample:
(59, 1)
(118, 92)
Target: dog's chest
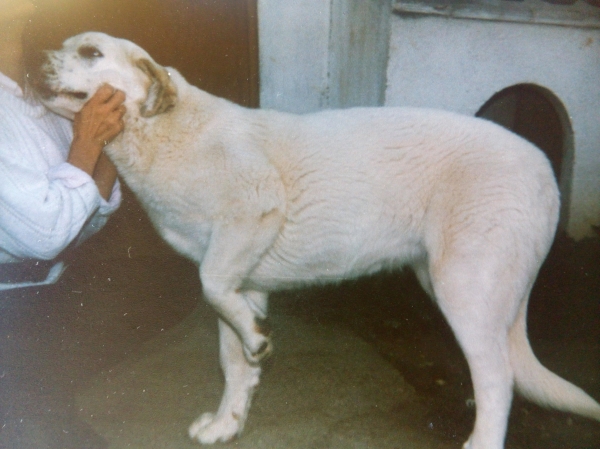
(176, 211)
(188, 235)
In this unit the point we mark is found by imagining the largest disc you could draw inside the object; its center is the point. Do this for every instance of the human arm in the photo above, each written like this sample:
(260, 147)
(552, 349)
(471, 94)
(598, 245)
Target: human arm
(97, 124)
(105, 175)
(45, 202)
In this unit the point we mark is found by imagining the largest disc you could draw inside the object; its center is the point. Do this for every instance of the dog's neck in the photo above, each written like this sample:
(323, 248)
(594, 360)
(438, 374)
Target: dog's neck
(146, 139)
(127, 149)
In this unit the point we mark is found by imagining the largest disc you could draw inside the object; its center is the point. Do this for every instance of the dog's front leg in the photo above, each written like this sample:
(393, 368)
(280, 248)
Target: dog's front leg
(233, 252)
(241, 378)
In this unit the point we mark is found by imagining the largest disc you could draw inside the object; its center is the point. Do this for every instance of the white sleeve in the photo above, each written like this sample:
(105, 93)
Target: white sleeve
(41, 212)
(100, 217)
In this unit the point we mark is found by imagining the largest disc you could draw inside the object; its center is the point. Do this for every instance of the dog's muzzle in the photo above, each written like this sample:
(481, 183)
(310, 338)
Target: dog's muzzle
(40, 71)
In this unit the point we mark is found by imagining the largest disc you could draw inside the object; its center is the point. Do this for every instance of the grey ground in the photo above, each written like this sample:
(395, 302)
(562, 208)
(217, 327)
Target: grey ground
(324, 388)
(130, 348)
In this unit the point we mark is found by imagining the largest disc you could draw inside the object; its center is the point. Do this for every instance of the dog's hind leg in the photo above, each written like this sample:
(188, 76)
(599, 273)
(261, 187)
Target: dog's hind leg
(480, 309)
(241, 378)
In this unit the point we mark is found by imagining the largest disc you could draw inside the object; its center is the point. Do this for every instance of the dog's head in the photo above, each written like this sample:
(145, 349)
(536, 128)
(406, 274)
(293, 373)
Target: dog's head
(68, 77)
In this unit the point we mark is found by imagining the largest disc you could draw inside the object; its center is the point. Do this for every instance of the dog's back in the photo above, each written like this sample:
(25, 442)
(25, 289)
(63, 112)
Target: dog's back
(378, 188)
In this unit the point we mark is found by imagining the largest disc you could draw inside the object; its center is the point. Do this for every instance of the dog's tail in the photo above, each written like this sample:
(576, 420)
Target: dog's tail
(540, 385)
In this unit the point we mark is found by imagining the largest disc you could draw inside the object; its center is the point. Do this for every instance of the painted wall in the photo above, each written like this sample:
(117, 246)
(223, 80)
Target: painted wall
(459, 64)
(317, 54)
(293, 47)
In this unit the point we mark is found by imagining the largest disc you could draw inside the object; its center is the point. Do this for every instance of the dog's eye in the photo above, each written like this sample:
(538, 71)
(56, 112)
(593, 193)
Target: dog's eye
(89, 52)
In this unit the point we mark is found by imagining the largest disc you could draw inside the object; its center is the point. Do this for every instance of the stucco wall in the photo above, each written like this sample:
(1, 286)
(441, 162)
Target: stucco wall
(459, 64)
(293, 44)
(317, 54)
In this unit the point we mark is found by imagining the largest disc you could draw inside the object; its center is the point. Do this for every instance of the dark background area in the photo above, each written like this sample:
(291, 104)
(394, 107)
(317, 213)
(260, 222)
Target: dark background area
(212, 43)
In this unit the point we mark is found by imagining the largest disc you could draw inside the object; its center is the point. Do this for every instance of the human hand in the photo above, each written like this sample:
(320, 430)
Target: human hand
(98, 123)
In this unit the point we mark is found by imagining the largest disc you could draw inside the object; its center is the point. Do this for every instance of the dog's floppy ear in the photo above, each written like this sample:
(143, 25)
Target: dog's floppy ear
(162, 93)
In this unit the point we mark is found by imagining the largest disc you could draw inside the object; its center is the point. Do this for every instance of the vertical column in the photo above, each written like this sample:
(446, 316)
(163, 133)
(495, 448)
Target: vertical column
(317, 54)
(358, 52)
(293, 42)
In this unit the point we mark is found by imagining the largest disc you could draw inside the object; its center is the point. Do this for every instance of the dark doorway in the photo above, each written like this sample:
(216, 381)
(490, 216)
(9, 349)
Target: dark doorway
(536, 114)
(529, 111)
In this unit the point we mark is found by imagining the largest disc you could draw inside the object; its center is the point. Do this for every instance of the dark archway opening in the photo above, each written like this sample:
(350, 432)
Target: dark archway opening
(538, 115)
(531, 112)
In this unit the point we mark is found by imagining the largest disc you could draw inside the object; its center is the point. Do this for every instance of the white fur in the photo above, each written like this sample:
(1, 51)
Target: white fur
(263, 200)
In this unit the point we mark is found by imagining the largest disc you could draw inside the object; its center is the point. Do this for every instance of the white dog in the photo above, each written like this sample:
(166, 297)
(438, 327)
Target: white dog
(264, 201)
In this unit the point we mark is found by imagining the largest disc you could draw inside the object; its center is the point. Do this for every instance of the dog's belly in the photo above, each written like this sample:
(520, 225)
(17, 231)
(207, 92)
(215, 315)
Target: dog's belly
(341, 238)
(323, 265)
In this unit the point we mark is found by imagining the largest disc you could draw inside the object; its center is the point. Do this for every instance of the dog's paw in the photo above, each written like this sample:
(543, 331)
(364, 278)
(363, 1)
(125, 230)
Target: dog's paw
(210, 428)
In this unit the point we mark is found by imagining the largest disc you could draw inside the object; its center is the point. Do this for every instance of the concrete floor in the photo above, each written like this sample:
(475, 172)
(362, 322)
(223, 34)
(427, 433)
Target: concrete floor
(123, 354)
(137, 361)
(325, 388)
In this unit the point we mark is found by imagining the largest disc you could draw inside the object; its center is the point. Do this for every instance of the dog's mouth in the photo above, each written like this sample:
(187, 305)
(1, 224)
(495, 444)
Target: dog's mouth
(42, 87)
(74, 94)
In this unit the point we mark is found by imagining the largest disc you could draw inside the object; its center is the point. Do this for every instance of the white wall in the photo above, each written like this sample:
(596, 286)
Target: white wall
(459, 64)
(317, 54)
(293, 41)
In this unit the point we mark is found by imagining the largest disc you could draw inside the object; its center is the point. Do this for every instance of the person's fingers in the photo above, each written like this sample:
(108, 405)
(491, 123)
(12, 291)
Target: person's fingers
(107, 96)
(114, 123)
(110, 96)
(116, 99)
(101, 118)
(103, 94)
(116, 115)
